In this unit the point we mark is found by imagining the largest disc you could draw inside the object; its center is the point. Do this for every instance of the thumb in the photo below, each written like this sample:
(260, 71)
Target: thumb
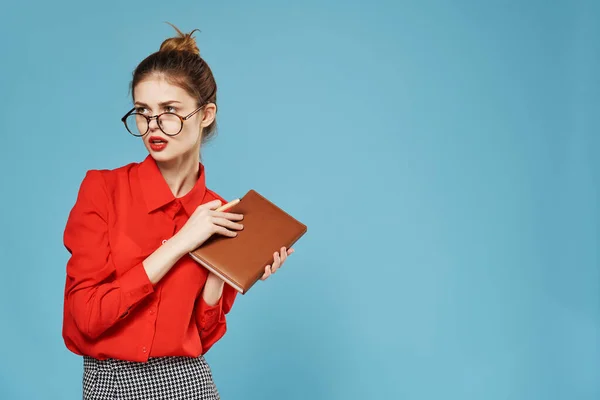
(211, 204)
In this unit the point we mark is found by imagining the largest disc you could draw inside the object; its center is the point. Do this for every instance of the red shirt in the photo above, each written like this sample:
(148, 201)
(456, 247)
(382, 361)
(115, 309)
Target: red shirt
(111, 309)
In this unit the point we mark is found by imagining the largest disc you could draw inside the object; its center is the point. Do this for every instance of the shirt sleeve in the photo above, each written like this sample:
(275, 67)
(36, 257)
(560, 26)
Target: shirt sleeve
(94, 295)
(211, 320)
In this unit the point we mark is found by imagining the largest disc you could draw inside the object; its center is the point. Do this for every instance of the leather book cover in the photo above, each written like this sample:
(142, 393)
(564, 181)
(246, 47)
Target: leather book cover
(240, 261)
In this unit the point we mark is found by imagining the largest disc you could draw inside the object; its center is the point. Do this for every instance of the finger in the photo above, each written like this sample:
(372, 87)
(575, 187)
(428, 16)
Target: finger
(224, 231)
(283, 255)
(227, 223)
(267, 272)
(229, 205)
(276, 262)
(210, 205)
(290, 251)
(230, 216)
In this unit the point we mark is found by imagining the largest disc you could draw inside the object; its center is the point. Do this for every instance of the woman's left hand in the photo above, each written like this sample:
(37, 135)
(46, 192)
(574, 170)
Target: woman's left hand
(278, 260)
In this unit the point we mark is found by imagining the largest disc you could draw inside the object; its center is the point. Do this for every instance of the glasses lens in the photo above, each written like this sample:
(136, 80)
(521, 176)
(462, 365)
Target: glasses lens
(170, 123)
(136, 124)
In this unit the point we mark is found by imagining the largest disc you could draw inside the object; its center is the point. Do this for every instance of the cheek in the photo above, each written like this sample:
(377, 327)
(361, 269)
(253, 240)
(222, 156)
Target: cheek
(189, 135)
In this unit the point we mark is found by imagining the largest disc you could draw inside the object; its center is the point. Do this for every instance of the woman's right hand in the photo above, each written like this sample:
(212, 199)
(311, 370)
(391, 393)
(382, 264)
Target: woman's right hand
(204, 223)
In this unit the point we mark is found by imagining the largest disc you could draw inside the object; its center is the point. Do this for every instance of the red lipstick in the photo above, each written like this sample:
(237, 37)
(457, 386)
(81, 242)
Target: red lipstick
(157, 143)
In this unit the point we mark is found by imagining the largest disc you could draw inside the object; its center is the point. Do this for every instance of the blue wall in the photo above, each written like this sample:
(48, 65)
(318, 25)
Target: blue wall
(443, 155)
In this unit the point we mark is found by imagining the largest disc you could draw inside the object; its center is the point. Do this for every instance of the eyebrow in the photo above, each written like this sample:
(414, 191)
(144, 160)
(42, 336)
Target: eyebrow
(164, 103)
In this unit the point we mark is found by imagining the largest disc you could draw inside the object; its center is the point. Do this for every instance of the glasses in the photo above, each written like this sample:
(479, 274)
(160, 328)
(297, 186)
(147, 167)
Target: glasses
(170, 123)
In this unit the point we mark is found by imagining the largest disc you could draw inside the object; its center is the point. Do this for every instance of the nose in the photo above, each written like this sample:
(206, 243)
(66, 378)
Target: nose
(153, 123)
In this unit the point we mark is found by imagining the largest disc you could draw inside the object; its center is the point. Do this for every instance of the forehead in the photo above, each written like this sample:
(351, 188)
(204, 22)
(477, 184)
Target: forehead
(156, 89)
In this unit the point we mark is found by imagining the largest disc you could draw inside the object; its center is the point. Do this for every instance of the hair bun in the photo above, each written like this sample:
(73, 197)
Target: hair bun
(183, 42)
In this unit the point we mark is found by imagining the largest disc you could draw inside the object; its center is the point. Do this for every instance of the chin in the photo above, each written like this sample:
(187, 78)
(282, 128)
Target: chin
(161, 156)
(170, 153)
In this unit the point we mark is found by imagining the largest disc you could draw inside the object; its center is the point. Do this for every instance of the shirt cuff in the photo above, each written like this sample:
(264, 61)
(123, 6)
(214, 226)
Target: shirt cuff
(209, 314)
(135, 285)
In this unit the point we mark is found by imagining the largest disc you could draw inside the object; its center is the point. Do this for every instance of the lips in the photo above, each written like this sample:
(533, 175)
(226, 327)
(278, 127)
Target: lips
(157, 143)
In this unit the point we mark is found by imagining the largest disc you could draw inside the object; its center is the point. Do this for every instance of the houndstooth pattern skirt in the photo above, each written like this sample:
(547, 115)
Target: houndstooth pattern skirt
(163, 378)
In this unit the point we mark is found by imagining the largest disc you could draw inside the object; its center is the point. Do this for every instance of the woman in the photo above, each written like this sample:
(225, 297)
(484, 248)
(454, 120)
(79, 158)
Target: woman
(138, 309)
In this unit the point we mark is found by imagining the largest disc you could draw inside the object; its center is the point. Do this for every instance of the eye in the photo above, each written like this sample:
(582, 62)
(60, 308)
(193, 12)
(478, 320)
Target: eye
(170, 109)
(141, 110)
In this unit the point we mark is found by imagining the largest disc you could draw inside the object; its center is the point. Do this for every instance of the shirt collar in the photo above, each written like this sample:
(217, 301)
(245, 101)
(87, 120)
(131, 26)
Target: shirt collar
(157, 193)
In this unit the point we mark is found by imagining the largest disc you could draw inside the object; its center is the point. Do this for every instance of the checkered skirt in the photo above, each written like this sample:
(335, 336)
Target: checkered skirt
(162, 378)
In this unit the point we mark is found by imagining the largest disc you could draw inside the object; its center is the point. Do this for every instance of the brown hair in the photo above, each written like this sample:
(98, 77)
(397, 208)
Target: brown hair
(178, 61)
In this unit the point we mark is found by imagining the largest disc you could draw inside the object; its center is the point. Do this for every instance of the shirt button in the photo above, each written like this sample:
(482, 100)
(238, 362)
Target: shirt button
(152, 312)
(164, 241)
(144, 349)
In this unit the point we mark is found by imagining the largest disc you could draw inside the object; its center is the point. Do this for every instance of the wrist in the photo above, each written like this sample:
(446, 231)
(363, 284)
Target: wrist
(213, 289)
(178, 245)
(213, 281)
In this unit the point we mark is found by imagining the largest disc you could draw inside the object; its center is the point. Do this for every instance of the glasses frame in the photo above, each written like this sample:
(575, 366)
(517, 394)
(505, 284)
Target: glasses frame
(148, 119)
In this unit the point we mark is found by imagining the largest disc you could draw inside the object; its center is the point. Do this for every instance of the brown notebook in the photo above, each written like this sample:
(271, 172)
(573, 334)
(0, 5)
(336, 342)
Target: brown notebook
(240, 261)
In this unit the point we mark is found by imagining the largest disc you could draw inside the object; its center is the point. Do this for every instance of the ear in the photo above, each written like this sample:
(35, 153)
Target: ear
(208, 114)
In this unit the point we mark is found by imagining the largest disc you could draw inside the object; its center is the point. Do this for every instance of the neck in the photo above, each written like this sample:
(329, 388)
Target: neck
(180, 174)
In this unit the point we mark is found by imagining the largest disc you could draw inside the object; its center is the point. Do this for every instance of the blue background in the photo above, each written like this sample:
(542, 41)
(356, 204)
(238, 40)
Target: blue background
(442, 153)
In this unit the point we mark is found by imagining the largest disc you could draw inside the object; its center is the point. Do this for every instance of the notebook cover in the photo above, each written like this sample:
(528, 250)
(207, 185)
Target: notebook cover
(240, 261)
